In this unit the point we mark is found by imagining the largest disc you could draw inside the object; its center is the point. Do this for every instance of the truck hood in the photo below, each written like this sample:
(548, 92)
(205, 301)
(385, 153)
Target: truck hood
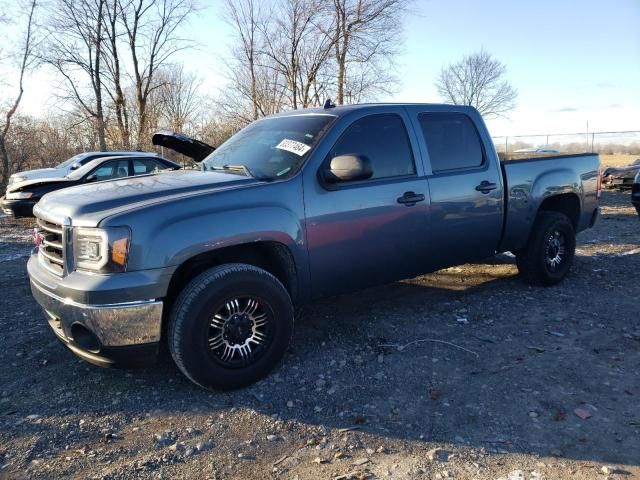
(88, 204)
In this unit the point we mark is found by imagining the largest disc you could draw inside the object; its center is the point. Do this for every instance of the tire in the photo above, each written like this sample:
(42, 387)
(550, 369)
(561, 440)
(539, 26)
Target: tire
(218, 339)
(536, 262)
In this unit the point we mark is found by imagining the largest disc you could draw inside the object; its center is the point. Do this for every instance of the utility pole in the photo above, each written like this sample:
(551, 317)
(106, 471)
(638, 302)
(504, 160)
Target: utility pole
(587, 133)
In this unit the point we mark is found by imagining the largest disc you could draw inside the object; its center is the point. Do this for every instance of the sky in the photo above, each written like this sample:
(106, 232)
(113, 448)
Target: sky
(572, 61)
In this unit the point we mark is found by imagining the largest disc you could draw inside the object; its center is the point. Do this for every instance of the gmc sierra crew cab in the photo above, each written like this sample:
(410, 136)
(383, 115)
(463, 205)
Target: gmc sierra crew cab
(297, 206)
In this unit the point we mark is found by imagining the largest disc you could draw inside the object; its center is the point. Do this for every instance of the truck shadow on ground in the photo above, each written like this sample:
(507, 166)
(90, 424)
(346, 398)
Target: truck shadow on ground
(465, 356)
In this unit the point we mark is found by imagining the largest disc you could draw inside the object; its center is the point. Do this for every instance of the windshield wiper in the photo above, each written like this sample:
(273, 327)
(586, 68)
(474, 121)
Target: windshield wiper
(242, 169)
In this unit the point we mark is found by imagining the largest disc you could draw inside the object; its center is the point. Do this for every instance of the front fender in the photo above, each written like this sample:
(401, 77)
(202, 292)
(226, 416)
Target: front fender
(215, 230)
(166, 234)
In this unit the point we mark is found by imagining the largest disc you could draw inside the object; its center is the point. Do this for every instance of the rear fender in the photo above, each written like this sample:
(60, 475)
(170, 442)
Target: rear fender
(525, 199)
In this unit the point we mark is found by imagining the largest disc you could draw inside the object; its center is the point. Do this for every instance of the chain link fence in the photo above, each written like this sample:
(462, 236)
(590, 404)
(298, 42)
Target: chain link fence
(626, 142)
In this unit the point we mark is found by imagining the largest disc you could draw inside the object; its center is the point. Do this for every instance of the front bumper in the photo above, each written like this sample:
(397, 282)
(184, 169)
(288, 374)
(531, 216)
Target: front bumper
(18, 208)
(122, 334)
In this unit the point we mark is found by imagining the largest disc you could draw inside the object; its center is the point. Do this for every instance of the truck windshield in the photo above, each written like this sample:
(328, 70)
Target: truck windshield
(269, 148)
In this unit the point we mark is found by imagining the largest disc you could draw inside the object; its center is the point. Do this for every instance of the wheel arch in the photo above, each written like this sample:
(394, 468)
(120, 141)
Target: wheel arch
(272, 256)
(565, 203)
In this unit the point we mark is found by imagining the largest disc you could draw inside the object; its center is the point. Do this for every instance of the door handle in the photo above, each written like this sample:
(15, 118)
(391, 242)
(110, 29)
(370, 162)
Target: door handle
(410, 198)
(486, 187)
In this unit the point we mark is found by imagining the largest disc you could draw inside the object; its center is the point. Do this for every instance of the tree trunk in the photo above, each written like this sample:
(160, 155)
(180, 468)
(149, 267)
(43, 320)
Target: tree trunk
(342, 61)
(254, 90)
(340, 80)
(98, 81)
(122, 117)
(5, 161)
(9, 115)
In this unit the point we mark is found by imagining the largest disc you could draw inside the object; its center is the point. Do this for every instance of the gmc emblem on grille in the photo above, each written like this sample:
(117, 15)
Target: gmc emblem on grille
(37, 237)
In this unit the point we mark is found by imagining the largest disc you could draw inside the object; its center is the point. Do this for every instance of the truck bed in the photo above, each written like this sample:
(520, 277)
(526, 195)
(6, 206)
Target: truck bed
(529, 180)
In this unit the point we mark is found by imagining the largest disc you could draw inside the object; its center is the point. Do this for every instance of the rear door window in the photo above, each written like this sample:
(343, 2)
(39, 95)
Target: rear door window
(143, 165)
(383, 140)
(452, 141)
(112, 169)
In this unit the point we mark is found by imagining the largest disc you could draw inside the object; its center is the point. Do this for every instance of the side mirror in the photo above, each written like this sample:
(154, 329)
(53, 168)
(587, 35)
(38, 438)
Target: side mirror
(91, 178)
(75, 166)
(347, 168)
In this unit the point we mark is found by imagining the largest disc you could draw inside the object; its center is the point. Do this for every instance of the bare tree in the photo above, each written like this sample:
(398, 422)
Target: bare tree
(26, 59)
(255, 87)
(296, 53)
(152, 31)
(366, 37)
(76, 51)
(115, 71)
(478, 80)
(215, 131)
(179, 98)
(235, 101)
(4, 20)
(45, 141)
(244, 17)
(298, 50)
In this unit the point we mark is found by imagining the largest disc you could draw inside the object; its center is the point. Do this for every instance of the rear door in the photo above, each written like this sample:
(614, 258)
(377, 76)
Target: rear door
(465, 183)
(364, 233)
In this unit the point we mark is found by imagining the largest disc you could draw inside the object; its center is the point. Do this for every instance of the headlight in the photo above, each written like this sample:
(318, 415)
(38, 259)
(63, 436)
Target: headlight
(18, 195)
(103, 250)
(13, 179)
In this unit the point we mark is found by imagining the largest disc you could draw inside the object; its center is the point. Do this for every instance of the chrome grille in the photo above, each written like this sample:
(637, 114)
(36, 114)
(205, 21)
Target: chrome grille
(51, 249)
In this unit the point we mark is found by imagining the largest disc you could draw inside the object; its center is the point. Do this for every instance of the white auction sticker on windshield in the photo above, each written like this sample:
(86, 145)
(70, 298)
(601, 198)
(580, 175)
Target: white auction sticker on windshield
(292, 146)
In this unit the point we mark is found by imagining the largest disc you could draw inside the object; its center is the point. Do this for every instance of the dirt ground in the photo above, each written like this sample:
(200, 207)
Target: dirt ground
(617, 160)
(466, 373)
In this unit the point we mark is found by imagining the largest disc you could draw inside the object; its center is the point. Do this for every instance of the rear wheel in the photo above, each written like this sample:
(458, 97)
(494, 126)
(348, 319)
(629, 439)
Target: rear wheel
(230, 326)
(549, 253)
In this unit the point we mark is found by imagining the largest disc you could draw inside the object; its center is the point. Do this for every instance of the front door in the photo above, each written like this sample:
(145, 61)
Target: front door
(373, 231)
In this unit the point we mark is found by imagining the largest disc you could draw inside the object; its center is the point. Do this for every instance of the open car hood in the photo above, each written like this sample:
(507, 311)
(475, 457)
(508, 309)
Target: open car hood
(622, 172)
(180, 143)
(36, 182)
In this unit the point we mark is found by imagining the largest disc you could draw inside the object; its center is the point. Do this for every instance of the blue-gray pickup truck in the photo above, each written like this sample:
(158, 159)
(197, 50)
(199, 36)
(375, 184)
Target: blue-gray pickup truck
(295, 207)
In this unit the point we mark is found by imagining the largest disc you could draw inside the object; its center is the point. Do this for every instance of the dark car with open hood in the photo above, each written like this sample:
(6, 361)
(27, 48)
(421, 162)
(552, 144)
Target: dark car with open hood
(635, 193)
(21, 197)
(621, 177)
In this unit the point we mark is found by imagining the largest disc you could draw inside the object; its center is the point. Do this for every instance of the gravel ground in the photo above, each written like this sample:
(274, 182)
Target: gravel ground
(465, 373)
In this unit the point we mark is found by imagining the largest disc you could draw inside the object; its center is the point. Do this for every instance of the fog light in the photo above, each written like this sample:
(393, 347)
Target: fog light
(85, 338)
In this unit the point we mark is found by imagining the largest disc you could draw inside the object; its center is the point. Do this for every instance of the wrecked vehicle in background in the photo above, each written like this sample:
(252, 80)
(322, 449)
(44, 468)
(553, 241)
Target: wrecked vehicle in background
(620, 177)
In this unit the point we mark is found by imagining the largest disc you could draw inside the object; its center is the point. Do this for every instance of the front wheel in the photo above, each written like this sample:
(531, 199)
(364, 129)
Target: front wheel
(549, 253)
(230, 326)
